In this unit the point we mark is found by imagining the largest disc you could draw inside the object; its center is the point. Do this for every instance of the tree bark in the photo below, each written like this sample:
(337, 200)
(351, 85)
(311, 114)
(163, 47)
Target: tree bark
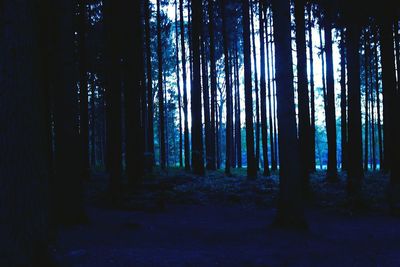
(185, 97)
(197, 139)
(303, 98)
(263, 93)
(290, 209)
(343, 100)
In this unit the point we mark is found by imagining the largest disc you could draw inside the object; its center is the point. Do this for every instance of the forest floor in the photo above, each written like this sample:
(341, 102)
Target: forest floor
(176, 219)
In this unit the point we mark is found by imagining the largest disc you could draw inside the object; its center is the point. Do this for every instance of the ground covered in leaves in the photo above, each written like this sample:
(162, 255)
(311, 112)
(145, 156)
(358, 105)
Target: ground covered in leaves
(177, 219)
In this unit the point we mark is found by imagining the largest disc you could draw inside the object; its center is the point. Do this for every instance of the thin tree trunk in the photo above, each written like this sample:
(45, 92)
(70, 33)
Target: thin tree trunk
(211, 165)
(150, 109)
(312, 89)
(366, 81)
(160, 89)
(263, 93)
(257, 124)
(270, 81)
(178, 83)
(251, 161)
(378, 101)
(185, 97)
(343, 100)
(238, 123)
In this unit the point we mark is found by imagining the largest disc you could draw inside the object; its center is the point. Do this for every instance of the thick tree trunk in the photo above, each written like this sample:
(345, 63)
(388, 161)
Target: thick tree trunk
(197, 139)
(303, 98)
(355, 169)
(24, 142)
(290, 209)
(83, 92)
(135, 135)
(263, 93)
(251, 161)
(185, 96)
(68, 157)
(112, 15)
(389, 88)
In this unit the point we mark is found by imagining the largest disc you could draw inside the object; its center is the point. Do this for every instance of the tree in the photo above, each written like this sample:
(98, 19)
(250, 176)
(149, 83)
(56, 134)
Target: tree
(355, 170)
(178, 84)
(343, 99)
(257, 124)
(25, 165)
(290, 209)
(112, 16)
(228, 90)
(263, 93)
(150, 109)
(251, 161)
(68, 186)
(83, 91)
(211, 164)
(160, 89)
(197, 140)
(304, 108)
(134, 88)
(330, 100)
(312, 90)
(185, 97)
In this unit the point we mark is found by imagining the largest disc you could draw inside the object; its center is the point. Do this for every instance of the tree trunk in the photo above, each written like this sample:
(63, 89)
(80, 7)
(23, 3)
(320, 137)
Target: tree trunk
(135, 136)
(303, 98)
(211, 165)
(270, 96)
(343, 99)
(68, 157)
(366, 81)
(312, 90)
(112, 16)
(197, 139)
(389, 88)
(178, 83)
(228, 90)
(251, 161)
(330, 101)
(378, 101)
(160, 90)
(150, 109)
(355, 170)
(83, 92)
(206, 99)
(255, 87)
(290, 209)
(263, 93)
(25, 144)
(185, 97)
